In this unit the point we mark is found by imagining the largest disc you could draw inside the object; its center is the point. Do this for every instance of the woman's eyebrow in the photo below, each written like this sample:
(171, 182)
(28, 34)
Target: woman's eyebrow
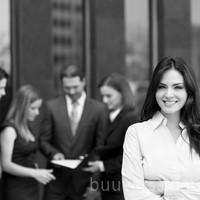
(172, 84)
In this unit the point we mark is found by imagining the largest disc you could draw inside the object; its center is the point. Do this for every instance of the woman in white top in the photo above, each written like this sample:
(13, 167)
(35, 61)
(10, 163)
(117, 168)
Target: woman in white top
(161, 153)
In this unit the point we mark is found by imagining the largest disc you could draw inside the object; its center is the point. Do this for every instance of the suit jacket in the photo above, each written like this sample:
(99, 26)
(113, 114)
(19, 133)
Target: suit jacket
(112, 151)
(116, 131)
(56, 134)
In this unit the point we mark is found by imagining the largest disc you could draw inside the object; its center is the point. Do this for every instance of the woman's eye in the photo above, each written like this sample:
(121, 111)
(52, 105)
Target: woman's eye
(161, 86)
(179, 87)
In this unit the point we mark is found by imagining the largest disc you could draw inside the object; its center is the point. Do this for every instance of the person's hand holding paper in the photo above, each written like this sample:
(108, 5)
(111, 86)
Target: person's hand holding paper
(58, 156)
(94, 166)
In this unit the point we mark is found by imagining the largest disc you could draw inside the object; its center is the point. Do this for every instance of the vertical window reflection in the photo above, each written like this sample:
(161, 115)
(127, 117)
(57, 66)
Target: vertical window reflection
(195, 33)
(66, 33)
(67, 30)
(137, 45)
(5, 35)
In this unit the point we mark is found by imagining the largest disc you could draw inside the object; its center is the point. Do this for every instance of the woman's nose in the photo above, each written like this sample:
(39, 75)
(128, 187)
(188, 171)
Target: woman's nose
(169, 92)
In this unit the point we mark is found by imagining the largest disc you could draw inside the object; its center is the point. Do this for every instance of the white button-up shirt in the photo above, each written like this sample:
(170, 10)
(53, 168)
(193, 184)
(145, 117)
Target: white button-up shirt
(150, 153)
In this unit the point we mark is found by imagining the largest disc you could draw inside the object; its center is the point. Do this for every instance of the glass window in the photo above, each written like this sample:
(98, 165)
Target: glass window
(137, 45)
(67, 34)
(67, 31)
(5, 35)
(195, 33)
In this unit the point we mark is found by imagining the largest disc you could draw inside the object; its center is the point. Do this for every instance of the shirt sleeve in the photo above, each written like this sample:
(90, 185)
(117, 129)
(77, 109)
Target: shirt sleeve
(183, 190)
(132, 170)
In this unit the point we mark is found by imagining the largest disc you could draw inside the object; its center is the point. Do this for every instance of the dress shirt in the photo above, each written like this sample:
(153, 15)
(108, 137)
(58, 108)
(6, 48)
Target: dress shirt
(150, 153)
(80, 105)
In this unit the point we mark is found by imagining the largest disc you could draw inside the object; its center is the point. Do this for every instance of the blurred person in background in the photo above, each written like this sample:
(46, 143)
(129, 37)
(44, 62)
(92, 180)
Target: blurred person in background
(161, 157)
(3, 83)
(19, 146)
(73, 125)
(118, 98)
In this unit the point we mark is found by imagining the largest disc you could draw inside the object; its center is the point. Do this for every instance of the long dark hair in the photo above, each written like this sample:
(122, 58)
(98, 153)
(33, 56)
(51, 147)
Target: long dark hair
(190, 113)
(119, 83)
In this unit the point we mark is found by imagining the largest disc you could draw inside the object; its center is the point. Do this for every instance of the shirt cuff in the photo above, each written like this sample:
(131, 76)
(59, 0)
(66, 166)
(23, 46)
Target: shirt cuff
(101, 166)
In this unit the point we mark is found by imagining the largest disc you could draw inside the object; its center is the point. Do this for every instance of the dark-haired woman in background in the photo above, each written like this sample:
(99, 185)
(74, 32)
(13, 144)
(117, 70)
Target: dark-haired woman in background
(161, 157)
(19, 146)
(118, 98)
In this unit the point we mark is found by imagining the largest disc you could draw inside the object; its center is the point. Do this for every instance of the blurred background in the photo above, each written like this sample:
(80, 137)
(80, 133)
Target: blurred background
(128, 36)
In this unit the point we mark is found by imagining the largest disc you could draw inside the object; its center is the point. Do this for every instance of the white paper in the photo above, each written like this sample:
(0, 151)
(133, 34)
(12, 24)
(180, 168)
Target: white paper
(67, 163)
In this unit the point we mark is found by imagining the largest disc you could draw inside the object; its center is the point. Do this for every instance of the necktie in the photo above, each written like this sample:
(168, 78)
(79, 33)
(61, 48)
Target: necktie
(74, 117)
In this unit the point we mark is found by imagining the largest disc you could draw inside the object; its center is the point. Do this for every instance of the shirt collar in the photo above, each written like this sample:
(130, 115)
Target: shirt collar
(182, 125)
(159, 119)
(80, 101)
(113, 114)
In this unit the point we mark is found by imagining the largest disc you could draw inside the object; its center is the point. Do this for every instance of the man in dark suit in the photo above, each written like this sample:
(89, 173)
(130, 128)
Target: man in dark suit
(73, 126)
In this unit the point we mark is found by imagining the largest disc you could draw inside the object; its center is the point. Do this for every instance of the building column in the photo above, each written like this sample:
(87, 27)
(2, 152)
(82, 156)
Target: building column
(31, 45)
(107, 40)
(174, 32)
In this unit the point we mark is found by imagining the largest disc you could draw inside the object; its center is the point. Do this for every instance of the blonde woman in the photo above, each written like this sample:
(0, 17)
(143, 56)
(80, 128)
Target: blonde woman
(19, 146)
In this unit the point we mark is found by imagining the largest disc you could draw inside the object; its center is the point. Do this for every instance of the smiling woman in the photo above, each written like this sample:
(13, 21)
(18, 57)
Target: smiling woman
(171, 94)
(161, 153)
